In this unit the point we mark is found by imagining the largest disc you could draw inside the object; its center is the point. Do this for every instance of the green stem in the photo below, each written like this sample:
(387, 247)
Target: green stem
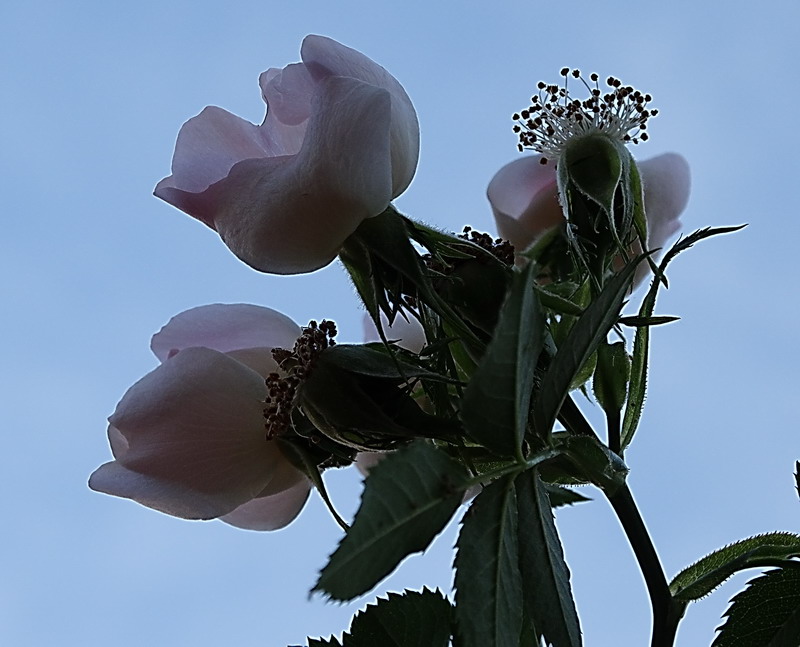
(667, 611)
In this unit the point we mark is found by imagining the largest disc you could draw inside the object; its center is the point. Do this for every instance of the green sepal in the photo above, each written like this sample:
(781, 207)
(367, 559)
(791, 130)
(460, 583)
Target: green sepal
(545, 576)
(641, 343)
(496, 403)
(583, 339)
(702, 577)
(610, 384)
(488, 581)
(593, 462)
(408, 499)
(373, 360)
(594, 166)
(766, 613)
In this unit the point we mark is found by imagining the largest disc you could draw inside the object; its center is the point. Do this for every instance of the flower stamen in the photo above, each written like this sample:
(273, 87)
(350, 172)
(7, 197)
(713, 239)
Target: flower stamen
(297, 365)
(555, 117)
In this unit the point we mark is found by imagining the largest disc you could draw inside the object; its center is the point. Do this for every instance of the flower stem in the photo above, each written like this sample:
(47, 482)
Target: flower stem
(667, 611)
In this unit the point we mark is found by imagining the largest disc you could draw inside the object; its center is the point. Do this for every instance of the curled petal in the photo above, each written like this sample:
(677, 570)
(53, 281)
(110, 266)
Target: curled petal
(524, 199)
(225, 328)
(325, 57)
(270, 512)
(196, 446)
(291, 214)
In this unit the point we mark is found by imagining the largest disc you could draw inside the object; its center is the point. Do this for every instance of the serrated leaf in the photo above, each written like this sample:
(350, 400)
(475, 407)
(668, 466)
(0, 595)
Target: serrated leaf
(765, 614)
(596, 462)
(641, 344)
(704, 576)
(321, 642)
(496, 402)
(488, 580)
(545, 575)
(408, 499)
(587, 333)
(413, 619)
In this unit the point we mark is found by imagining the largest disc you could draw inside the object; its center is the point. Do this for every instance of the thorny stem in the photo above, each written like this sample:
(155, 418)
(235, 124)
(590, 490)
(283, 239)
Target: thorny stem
(667, 611)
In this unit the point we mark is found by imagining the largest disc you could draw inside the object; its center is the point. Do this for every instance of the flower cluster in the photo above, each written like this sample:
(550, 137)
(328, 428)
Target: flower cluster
(216, 429)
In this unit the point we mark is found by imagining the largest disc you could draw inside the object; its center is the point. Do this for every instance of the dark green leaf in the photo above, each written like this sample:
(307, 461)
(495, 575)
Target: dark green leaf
(413, 619)
(560, 495)
(765, 614)
(488, 580)
(545, 576)
(557, 303)
(408, 499)
(364, 359)
(647, 321)
(497, 401)
(641, 344)
(321, 642)
(587, 333)
(704, 576)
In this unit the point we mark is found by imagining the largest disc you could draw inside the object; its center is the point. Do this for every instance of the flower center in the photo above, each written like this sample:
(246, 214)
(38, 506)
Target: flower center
(555, 116)
(296, 365)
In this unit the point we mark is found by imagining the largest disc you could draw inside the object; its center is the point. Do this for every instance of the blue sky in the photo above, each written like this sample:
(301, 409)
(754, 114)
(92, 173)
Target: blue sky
(93, 95)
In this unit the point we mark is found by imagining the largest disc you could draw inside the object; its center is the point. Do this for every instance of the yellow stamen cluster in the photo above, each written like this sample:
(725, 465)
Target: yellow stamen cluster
(555, 117)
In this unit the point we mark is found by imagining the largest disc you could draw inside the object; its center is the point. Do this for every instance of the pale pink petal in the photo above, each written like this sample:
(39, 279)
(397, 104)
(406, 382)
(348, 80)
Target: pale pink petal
(270, 512)
(170, 497)
(325, 57)
(288, 93)
(225, 327)
(208, 146)
(196, 439)
(291, 214)
(408, 333)
(524, 199)
(666, 181)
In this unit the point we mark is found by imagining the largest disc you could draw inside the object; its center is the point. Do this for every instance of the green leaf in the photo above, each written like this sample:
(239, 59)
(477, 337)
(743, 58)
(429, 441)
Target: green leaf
(561, 496)
(647, 321)
(641, 344)
(365, 359)
(496, 403)
(408, 499)
(411, 619)
(321, 642)
(488, 580)
(765, 614)
(596, 463)
(557, 303)
(545, 575)
(584, 338)
(704, 576)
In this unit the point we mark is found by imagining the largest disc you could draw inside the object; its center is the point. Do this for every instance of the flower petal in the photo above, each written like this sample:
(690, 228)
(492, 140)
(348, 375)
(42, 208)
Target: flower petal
(666, 181)
(291, 214)
(195, 433)
(288, 93)
(225, 328)
(208, 146)
(270, 512)
(524, 199)
(325, 57)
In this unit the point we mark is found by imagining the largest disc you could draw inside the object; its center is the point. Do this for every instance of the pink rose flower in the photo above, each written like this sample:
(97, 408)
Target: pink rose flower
(340, 140)
(189, 438)
(524, 199)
